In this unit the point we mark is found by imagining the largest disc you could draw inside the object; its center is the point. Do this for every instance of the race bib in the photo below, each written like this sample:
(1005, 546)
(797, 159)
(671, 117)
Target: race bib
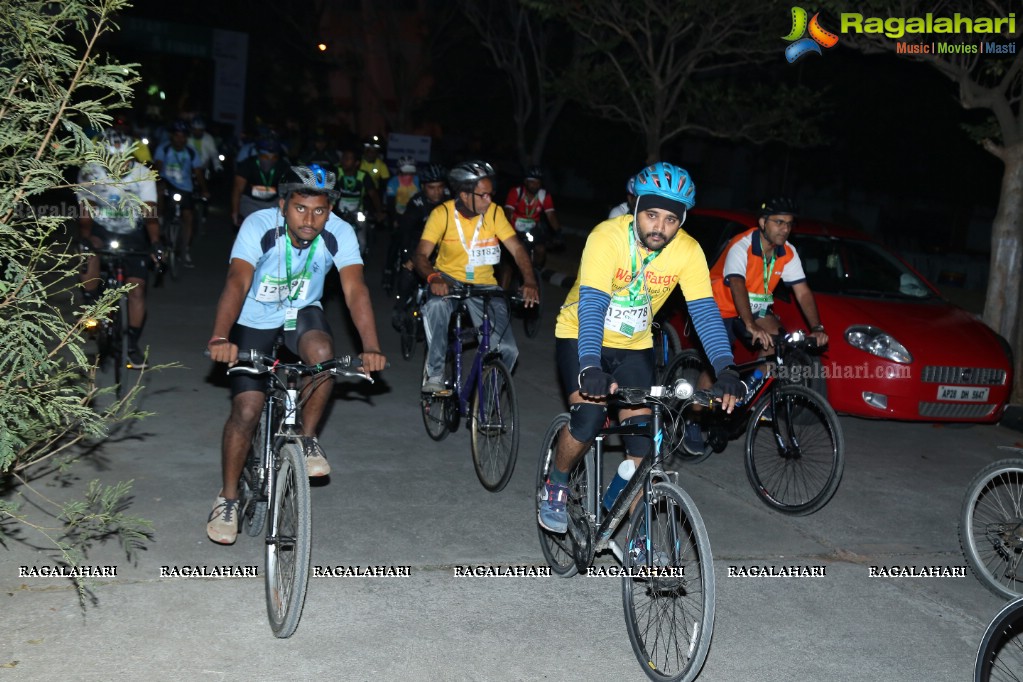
(627, 317)
(175, 173)
(275, 289)
(350, 204)
(759, 303)
(263, 192)
(484, 255)
(524, 224)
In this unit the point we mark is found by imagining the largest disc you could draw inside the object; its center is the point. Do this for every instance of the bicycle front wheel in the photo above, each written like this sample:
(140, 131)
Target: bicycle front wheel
(991, 527)
(409, 321)
(495, 427)
(557, 547)
(251, 484)
(436, 411)
(669, 612)
(1000, 655)
(289, 543)
(173, 259)
(795, 457)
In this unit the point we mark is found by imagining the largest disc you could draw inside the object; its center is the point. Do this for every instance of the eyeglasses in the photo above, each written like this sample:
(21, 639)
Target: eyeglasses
(483, 195)
(782, 223)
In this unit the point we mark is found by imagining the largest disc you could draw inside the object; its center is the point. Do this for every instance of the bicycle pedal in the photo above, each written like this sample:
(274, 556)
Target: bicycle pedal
(439, 394)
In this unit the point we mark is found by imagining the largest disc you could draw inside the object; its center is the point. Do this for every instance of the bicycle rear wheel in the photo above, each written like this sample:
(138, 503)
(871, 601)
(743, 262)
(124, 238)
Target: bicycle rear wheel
(688, 365)
(289, 543)
(795, 458)
(670, 618)
(437, 409)
(991, 527)
(495, 427)
(1000, 655)
(557, 547)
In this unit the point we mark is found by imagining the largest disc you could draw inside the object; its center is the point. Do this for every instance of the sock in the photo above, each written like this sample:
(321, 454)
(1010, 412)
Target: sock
(558, 476)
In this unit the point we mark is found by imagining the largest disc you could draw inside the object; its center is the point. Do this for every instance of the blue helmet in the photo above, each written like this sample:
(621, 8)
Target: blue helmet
(669, 182)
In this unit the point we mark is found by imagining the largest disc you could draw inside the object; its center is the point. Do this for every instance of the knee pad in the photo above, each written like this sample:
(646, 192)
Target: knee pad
(586, 420)
(637, 446)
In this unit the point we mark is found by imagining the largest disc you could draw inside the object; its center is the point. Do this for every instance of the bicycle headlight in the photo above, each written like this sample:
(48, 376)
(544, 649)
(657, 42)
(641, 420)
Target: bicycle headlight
(114, 244)
(221, 157)
(360, 217)
(176, 197)
(682, 389)
(529, 236)
(877, 342)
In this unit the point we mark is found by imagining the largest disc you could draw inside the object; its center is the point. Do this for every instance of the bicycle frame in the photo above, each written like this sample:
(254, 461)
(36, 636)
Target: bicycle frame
(463, 391)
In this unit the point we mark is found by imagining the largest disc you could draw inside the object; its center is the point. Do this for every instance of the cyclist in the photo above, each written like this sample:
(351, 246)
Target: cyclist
(410, 228)
(274, 284)
(628, 269)
(530, 208)
(204, 144)
(400, 189)
(256, 179)
(629, 205)
(106, 216)
(466, 230)
(180, 169)
(372, 165)
(749, 269)
(320, 154)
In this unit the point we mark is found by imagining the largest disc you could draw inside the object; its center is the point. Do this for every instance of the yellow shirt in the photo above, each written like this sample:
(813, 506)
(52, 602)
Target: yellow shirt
(607, 265)
(376, 171)
(453, 233)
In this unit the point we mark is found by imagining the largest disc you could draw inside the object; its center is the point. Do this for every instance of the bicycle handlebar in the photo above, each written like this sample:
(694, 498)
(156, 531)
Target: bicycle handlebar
(796, 339)
(681, 390)
(345, 365)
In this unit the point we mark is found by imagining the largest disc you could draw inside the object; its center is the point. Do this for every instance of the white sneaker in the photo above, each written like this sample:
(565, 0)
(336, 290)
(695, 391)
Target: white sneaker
(433, 385)
(222, 526)
(316, 463)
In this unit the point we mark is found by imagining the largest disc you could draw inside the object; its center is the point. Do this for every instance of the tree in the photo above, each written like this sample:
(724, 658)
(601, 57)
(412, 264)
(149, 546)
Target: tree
(54, 82)
(991, 83)
(668, 68)
(521, 42)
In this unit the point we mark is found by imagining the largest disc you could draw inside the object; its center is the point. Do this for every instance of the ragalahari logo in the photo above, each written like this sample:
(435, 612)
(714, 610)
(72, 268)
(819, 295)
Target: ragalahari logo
(819, 37)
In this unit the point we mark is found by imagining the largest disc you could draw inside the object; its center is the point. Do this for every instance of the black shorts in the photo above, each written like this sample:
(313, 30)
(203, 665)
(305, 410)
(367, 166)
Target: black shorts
(135, 267)
(628, 367)
(262, 341)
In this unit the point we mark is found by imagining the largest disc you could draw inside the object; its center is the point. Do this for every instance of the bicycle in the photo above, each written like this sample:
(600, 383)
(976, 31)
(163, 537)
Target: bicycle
(668, 588)
(991, 526)
(530, 315)
(1000, 654)
(171, 230)
(485, 397)
(794, 446)
(412, 331)
(111, 331)
(274, 486)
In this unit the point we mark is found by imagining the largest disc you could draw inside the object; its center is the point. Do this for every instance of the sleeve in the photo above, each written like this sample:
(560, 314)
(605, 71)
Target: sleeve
(512, 198)
(548, 202)
(392, 188)
(735, 260)
(598, 264)
(159, 154)
(246, 244)
(437, 224)
(694, 277)
(146, 187)
(502, 228)
(593, 306)
(793, 272)
(711, 331)
(347, 243)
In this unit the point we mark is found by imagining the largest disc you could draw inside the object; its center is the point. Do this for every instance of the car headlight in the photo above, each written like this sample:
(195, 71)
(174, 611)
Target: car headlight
(879, 343)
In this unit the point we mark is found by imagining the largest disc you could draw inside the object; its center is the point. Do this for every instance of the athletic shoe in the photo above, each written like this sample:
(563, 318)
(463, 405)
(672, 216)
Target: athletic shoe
(638, 552)
(434, 385)
(692, 440)
(136, 359)
(222, 526)
(552, 512)
(186, 260)
(316, 463)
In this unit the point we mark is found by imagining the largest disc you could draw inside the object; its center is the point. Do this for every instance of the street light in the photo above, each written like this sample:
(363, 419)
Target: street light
(322, 47)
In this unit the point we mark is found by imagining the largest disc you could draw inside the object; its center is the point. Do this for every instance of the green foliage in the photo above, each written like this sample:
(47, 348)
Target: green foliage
(54, 86)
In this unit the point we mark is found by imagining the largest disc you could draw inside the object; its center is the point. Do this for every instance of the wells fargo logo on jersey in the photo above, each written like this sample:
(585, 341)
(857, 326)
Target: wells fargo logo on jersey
(801, 46)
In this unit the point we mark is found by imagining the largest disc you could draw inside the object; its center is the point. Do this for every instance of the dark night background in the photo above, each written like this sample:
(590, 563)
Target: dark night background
(897, 161)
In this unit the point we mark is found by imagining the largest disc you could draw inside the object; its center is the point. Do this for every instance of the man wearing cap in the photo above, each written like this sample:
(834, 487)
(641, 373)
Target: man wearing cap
(255, 180)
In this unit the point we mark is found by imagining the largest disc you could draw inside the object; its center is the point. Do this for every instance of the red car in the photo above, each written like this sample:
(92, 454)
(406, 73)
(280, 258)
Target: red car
(897, 349)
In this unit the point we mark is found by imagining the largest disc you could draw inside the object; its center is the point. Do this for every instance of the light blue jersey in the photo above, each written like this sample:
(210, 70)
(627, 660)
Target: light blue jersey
(286, 277)
(177, 165)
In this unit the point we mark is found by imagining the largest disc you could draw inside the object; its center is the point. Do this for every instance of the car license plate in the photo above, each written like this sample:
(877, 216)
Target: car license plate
(973, 394)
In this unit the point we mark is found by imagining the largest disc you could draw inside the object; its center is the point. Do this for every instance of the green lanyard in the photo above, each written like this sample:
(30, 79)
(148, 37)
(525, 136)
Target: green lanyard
(637, 282)
(305, 268)
(270, 182)
(767, 270)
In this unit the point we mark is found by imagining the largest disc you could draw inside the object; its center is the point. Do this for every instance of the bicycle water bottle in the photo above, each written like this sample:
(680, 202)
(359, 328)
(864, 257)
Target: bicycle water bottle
(753, 384)
(625, 471)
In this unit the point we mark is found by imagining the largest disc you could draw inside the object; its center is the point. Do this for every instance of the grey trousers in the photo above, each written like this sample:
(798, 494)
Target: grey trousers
(436, 313)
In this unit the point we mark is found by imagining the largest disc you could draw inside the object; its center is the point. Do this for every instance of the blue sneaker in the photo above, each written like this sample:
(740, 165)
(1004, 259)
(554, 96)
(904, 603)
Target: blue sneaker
(552, 511)
(693, 441)
(638, 551)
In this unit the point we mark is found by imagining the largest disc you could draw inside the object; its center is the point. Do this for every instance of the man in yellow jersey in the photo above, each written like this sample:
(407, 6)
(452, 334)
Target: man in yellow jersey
(629, 266)
(467, 230)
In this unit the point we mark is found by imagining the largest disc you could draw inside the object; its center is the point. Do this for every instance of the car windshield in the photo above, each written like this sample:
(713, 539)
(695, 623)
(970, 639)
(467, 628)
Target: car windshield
(856, 268)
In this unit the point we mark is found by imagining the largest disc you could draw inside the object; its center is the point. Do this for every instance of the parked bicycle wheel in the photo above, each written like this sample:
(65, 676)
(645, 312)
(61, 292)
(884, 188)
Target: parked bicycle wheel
(1000, 655)
(557, 547)
(438, 410)
(991, 527)
(688, 365)
(670, 619)
(795, 458)
(289, 543)
(495, 427)
(253, 514)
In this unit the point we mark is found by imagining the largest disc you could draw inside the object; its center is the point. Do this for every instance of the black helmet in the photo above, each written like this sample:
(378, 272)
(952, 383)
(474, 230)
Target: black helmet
(180, 126)
(464, 176)
(534, 173)
(777, 206)
(312, 179)
(433, 172)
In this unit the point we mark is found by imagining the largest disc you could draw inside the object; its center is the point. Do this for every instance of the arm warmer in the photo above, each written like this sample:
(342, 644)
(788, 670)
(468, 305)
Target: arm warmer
(593, 304)
(711, 331)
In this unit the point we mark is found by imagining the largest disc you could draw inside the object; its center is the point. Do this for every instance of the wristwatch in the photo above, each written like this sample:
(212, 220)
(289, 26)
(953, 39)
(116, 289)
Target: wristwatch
(817, 328)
